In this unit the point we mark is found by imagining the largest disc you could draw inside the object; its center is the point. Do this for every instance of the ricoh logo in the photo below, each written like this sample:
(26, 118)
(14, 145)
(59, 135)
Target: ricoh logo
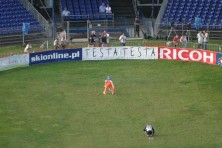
(187, 55)
(54, 56)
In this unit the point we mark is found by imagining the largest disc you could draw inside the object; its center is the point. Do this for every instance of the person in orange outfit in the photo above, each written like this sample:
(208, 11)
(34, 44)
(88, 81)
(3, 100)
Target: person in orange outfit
(108, 86)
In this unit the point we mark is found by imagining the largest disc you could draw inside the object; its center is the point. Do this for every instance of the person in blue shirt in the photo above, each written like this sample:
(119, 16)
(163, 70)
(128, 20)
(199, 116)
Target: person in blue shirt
(102, 8)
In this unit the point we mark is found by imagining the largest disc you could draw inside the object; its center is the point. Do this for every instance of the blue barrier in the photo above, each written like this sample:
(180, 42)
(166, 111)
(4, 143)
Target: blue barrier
(55, 56)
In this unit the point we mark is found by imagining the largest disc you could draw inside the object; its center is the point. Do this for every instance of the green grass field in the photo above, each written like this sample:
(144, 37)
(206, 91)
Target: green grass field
(61, 105)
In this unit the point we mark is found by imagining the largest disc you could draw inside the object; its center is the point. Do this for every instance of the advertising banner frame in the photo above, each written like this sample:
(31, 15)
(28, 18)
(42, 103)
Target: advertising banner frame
(14, 61)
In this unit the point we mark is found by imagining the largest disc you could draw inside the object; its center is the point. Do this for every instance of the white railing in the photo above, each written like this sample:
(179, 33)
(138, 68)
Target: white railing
(159, 17)
(45, 45)
(89, 17)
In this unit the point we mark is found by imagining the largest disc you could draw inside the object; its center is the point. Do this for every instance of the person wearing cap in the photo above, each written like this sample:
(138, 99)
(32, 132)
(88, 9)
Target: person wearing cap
(149, 130)
(108, 86)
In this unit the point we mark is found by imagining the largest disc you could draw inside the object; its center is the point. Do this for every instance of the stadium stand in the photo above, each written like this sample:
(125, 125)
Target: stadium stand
(84, 10)
(12, 16)
(210, 11)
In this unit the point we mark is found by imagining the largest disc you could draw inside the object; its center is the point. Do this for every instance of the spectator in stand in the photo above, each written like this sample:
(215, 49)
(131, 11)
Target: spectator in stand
(200, 39)
(206, 38)
(108, 9)
(122, 39)
(176, 40)
(183, 40)
(102, 8)
(137, 27)
(65, 12)
(28, 46)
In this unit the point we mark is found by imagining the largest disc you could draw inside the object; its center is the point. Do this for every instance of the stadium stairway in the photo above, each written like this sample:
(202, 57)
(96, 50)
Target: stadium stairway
(123, 8)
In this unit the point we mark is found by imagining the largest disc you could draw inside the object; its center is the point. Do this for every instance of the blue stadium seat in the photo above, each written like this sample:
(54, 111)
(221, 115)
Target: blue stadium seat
(209, 10)
(85, 9)
(13, 14)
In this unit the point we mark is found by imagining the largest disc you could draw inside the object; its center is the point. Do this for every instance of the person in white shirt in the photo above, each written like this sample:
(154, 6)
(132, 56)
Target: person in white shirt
(28, 46)
(200, 38)
(56, 43)
(65, 12)
(183, 40)
(206, 38)
(108, 9)
(122, 39)
(149, 130)
(62, 37)
(107, 37)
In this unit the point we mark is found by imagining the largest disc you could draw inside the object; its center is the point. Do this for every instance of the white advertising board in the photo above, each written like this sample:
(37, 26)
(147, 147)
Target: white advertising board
(14, 61)
(124, 52)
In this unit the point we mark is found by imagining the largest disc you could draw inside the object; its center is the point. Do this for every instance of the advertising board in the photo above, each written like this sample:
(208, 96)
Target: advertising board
(123, 52)
(14, 61)
(182, 54)
(55, 56)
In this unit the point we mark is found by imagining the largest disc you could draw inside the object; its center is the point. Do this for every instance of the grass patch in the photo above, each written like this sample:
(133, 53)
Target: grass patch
(62, 105)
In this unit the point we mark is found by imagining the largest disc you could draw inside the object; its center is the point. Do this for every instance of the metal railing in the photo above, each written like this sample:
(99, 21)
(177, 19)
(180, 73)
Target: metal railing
(153, 43)
(89, 17)
(45, 24)
(140, 43)
(143, 21)
(215, 31)
(146, 25)
(143, 43)
(122, 21)
(16, 39)
(160, 15)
